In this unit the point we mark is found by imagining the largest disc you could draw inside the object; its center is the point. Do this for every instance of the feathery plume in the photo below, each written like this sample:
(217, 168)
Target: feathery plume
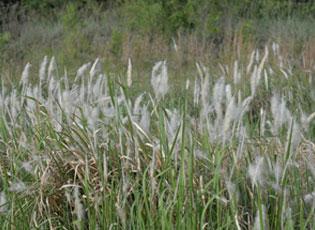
(129, 72)
(81, 71)
(261, 64)
(159, 79)
(52, 68)
(253, 81)
(266, 80)
(17, 186)
(232, 190)
(78, 206)
(218, 95)
(42, 69)
(236, 73)
(3, 203)
(96, 68)
(27, 166)
(262, 121)
(172, 124)
(228, 92)
(187, 84)
(204, 93)
(309, 199)
(200, 73)
(251, 61)
(145, 119)
(197, 91)
(257, 55)
(280, 113)
(137, 107)
(275, 48)
(25, 74)
(256, 171)
(174, 45)
(121, 214)
(284, 73)
(261, 222)
(228, 118)
(277, 170)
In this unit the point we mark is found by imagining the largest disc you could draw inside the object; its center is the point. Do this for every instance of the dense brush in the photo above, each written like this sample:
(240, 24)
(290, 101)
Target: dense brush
(82, 152)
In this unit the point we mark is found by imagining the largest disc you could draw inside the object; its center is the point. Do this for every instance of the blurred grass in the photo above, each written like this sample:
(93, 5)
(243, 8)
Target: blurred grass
(76, 33)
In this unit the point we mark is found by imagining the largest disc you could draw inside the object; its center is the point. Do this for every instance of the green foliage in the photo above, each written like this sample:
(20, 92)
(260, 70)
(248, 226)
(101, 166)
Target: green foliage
(143, 16)
(169, 16)
(76, 44)
(44, 6)
(41, 5)
(181, 14)
(247, 30)
(4, 39)
(75, 30)
(116, 43)
(70, 17)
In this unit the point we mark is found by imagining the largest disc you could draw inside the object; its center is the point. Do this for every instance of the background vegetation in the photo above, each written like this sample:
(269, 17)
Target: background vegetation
(147, 30)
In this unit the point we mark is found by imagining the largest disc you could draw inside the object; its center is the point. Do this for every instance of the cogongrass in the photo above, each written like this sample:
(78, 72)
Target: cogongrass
(84, 153)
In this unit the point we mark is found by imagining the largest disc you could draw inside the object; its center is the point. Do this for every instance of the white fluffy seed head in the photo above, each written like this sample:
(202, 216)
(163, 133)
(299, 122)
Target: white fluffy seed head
(78, 206)
(52, 68)
(42, 69)
(256, 171)
(159, 79)
(187, 84)
(266, 79)
(230, 114)
(251, 61)
(254, 81)
(218, 95)
(27, 166)
(145, 119)
(17, 186)
(137, 105)
(96, 68)
(204, 89)
(129, 73)
(261, 222)
(197, 91)
(232, 190)
(236, 73)
(262, 63)
(275, 48)
(121, 214)
(257, 55)
(25, 74)
(309, 199)
(173, 124)
(3, 203)
(81, 71)
(200, 73)
(277, 171)
(280, 113)
(296, 137)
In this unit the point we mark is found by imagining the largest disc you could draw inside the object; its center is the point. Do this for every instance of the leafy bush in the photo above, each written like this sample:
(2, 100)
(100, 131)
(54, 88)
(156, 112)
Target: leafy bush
(143, 16)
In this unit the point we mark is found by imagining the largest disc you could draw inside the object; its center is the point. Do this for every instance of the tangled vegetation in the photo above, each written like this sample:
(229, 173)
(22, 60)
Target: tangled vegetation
(233, 151)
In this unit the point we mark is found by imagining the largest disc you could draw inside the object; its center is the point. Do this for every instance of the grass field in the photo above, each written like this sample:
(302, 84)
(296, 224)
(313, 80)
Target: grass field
(226, 147)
